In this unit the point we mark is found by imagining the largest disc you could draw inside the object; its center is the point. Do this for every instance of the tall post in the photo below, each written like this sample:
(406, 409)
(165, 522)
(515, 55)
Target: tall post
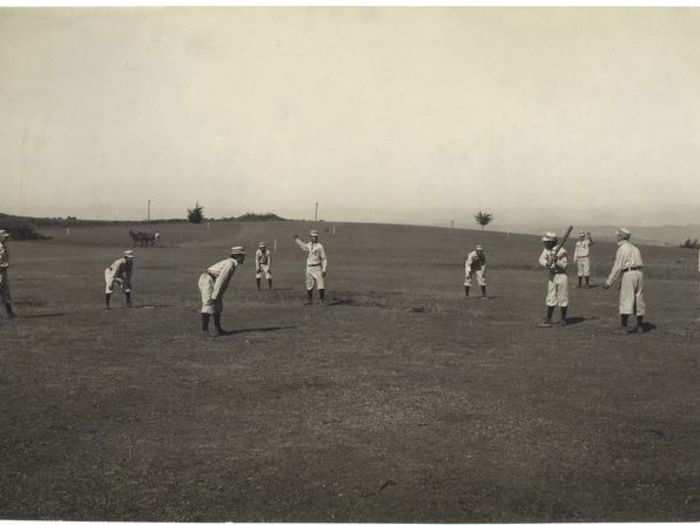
(316, 213)
(148, 216)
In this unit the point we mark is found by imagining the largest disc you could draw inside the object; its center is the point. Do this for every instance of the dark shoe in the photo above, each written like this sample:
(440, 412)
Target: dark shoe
(634, 330)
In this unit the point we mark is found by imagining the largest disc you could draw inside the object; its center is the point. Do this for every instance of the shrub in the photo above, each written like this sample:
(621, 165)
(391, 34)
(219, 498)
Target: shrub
(196, 214)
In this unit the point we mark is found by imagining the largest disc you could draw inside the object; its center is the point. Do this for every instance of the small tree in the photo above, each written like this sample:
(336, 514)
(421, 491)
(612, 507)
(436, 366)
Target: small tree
(196, 214)
(483, 219)
(692, 244)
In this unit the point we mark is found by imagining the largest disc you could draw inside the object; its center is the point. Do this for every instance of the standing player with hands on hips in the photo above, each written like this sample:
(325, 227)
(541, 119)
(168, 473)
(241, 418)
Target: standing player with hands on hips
(316, 266)
(582, 258)
(263, 265)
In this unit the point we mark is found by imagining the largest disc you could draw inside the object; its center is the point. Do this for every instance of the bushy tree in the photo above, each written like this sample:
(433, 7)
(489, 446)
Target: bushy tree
(692, 244)
(483, 219)
(196, 214)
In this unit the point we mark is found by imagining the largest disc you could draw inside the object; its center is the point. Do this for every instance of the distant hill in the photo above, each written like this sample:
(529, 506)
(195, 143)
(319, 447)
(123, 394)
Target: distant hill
(74, 221)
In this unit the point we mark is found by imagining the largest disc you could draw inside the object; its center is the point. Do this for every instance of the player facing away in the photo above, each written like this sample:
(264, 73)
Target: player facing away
(212, 286)
(316, 266)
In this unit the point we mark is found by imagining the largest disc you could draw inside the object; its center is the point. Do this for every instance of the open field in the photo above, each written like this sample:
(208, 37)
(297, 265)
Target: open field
(400, 401)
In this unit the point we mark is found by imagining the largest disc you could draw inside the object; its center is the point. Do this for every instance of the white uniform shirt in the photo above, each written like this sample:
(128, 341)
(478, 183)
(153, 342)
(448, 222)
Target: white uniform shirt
(583, 248)
(547, 258)
(262, 259)
(627, 256)
(4, 257)
(222, 273)
(474, 263)
(121, 269)
(316, 254)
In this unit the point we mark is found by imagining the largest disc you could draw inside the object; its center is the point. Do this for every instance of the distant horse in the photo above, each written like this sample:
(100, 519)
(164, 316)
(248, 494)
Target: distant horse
(144, 239)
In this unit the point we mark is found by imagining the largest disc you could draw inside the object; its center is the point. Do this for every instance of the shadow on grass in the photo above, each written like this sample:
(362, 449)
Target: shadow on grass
(648, 327)
(262, 329)
(39, 316)
(152, 306)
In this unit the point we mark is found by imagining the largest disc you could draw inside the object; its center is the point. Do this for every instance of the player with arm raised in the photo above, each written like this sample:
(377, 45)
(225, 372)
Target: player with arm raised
(316, 266)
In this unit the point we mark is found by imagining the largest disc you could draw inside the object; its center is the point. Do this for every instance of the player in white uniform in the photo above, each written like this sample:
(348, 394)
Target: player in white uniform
(582, 258)
(263, 265)
(119, 273)
(628, 264)
(558, 282)
(475, 266)
(316, 266)
(212, 287)
(5, 296)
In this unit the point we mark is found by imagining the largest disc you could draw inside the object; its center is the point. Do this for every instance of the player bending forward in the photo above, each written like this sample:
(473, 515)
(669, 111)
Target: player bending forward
(119, 273)
(212, 287)
(475, 266)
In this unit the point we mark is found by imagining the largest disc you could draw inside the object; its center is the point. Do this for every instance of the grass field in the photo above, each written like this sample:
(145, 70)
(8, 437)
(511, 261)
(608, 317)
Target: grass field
(400, 401)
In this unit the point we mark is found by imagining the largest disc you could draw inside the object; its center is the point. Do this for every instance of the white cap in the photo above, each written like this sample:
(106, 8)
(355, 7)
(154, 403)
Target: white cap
(238, 250)
(549, 236)
(478, 247)
(624, 233)
(313, 233)
(129, 254)
(582, 234)
(261, 245)
(4, 234)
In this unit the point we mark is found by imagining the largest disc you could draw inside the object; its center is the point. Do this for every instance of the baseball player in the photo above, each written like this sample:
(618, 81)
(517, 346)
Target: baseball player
(119, 273)
(263, 263)
(212, 286)
(316, 266)
(582, 258)
(628, 264)
(5, 296)
(475, 265)
(558, 282)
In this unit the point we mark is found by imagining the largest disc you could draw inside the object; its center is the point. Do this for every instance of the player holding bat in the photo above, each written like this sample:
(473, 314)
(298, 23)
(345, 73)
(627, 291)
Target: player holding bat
(555, 260)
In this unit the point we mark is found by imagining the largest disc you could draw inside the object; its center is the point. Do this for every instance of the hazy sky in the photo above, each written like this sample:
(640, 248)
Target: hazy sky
(378, 113)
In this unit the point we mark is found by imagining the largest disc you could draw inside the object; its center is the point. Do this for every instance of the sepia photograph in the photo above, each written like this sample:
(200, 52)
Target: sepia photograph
(351, 264)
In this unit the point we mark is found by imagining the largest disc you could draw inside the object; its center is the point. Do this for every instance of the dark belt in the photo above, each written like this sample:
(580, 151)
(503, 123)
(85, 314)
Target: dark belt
(632, 268)
(211, 275)
(310, 265)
